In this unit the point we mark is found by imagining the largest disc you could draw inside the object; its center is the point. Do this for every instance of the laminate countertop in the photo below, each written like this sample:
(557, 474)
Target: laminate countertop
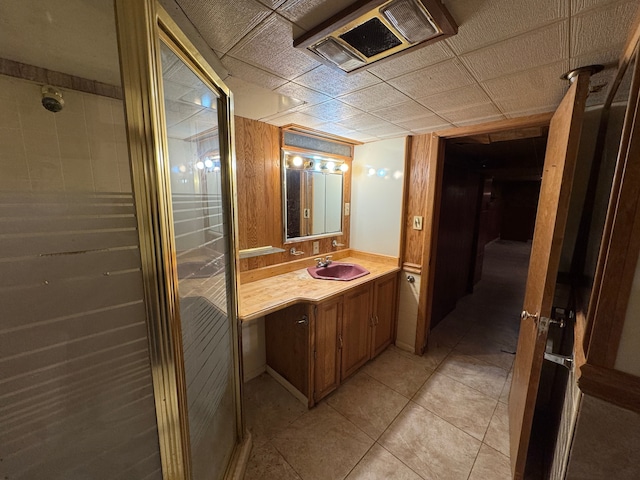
(269, 295)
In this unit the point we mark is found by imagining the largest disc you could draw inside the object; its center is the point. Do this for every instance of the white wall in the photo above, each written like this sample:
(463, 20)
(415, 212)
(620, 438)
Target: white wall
(408, 312)
(376, 196)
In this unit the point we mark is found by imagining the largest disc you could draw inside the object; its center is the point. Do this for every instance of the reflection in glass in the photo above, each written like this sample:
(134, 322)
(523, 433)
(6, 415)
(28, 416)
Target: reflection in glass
(313, 195)
(203, 264)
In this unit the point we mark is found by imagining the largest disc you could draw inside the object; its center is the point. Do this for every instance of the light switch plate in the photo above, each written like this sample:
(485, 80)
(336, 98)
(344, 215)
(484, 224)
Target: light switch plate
(417, 223)
(316, 248)
(347, 209)
(306, 213)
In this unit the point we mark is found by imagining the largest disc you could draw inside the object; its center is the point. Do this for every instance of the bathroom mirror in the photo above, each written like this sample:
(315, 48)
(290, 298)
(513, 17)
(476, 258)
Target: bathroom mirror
(312, 195)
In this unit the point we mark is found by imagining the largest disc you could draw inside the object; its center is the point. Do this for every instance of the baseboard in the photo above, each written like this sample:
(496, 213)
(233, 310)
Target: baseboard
(292, 390)
(405, 346)
(256, 372)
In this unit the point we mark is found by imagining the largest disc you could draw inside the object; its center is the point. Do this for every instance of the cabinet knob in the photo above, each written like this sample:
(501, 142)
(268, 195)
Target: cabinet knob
(303, 321)
(411, 278)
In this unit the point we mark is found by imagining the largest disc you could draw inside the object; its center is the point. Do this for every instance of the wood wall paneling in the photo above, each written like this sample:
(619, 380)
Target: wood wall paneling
(415, 197)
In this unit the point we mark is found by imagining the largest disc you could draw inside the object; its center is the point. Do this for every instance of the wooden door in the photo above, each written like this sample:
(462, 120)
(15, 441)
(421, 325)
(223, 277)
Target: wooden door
(356, 329)
(557, 180)
(328, 323)
(384, 313)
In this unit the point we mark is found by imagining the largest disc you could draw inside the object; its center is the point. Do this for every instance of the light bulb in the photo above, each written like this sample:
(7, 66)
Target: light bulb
(344, 167)
(318, 167)
(297, 161)
(330, 166)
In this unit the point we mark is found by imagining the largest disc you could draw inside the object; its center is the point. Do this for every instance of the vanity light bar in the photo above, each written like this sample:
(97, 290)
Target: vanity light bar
(317, 164)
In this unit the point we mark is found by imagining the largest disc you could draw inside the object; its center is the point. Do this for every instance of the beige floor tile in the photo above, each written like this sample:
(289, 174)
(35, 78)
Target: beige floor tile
(367, 403)
(401, 372)
(490, 464)
(266, 463)
(322, 444)
(463, 406)
(435, 353)
(484, 377)
(269, 407)
(498, 432)
(504, 395)
(379, 464)
(430, 446)
(490, 352)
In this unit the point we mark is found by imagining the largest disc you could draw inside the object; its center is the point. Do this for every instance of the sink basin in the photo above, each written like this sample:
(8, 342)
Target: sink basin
(338, 271)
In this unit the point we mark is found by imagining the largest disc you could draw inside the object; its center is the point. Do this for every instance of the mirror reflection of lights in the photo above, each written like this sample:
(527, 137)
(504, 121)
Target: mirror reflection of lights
(208, 163)
(371, 172)
(297, 161)
(382, 172)
(200, 165)
(216, 169)
(397, 175)
(182, 168)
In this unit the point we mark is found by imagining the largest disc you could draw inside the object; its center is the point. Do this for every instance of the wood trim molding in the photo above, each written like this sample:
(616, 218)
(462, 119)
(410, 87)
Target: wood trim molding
(538, 120)
(620, 244)
(376, 257)
(610, 385)
(430, 225)
(412, 268)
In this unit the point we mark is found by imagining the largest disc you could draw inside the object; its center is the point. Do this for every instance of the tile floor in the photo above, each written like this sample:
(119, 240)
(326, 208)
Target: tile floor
(439, 416)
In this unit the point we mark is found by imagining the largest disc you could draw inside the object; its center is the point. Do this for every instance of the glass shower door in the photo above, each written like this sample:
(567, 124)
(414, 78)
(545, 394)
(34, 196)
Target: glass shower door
(201, 230)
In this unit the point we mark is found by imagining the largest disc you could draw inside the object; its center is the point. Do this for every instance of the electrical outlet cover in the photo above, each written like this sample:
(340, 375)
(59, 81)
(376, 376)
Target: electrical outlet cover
(316, 248)
(417, 223)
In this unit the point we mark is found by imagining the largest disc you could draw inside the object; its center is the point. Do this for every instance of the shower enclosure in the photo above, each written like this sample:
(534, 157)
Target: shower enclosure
(118, 333)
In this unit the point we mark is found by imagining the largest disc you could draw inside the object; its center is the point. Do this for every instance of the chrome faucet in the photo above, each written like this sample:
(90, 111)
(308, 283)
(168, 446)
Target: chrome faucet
(323, 262)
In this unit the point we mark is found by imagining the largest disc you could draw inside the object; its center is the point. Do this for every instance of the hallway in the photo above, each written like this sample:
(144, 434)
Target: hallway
(439, 416)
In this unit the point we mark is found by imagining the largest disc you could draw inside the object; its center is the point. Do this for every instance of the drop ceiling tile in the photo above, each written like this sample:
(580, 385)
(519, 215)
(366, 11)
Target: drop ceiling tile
(579, 6)
(421, 131)
(363, 121)
(222, 23)
(609, 58)
(310, 13)
(472, 114)
(335, 129)
(255, 102)
(480, 120)
(335, 83)
(441, 77)
(387, 130)
(410, 62)
(402, 112)
(272, 3)
(600, 28)
(374, 97)
(424, 123)
(333, 111)
(488, 21)
(310, 97)
(269, 46)
(297, 118)
(533, 91)
(249, 73)
(540, 47)
(456, 99)
(363, 137)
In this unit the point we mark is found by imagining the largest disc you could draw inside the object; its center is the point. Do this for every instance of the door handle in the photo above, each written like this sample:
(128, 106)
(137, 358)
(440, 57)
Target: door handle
(526, 316)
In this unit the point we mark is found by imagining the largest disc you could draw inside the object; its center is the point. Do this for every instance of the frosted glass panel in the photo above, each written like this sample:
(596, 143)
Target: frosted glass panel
(76, 394)
(204, 263)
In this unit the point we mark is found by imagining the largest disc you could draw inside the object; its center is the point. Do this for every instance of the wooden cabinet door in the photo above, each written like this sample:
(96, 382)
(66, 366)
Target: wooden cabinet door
(384, 313)
(287, 343)
(356, 329)
(328, 323)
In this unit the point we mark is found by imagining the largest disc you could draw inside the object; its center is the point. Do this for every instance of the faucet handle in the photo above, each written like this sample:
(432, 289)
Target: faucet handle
(318, 261)
(328, 257)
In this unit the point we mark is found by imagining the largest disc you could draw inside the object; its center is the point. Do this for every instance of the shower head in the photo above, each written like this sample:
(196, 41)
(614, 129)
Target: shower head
(52, 99)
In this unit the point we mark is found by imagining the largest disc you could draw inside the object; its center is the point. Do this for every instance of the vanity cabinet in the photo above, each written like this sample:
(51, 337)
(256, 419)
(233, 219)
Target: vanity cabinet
(384, 313)
(316, 347)
(327, 343)
(356, 330)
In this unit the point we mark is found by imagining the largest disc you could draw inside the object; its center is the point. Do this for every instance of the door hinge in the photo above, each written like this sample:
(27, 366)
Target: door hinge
(564, 360)
(315, 354)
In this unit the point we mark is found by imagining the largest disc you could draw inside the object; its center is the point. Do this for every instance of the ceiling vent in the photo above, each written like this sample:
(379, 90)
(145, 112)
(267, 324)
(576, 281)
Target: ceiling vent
(368, 32)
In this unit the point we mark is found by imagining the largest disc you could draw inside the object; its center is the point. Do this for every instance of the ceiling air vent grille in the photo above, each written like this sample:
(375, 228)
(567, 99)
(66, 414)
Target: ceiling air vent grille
(368, 32)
